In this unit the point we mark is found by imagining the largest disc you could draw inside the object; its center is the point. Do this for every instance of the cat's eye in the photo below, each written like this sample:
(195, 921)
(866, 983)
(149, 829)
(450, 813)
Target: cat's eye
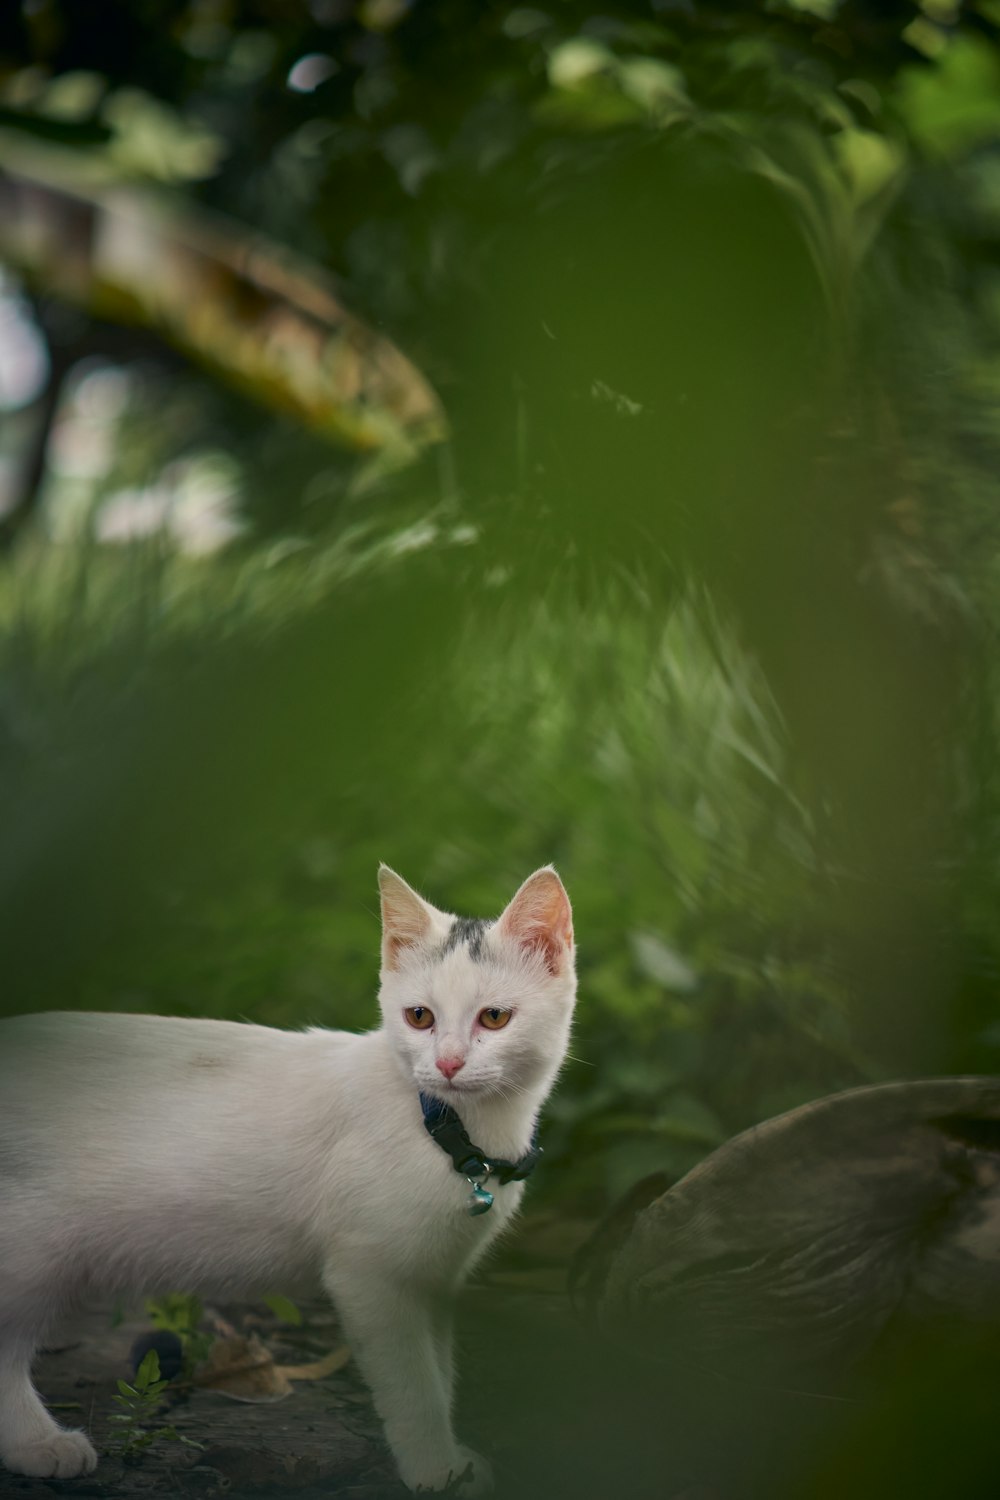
(419, 1017)
(493, 1018)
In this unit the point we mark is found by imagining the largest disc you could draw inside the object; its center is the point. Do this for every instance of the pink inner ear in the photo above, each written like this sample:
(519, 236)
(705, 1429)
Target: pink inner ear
(406, 921)
(395, 944)
(539, 918)
(544, 941)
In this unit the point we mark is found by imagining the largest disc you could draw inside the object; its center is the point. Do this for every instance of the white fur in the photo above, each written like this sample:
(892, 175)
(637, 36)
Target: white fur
(145, 1154)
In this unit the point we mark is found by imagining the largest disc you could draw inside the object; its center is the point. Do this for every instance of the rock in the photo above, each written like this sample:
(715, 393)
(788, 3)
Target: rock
(797, 1243)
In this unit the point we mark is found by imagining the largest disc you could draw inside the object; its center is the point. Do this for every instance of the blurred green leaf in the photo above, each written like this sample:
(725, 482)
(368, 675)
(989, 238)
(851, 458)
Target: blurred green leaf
(953, 105)
(284, 1308)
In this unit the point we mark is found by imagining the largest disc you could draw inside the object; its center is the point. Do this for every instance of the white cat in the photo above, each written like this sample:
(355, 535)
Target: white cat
(143, 1154)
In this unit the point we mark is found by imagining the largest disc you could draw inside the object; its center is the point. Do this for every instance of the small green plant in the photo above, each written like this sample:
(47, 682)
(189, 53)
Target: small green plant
(140, 1403)
(181, 1313)
(284, 1308)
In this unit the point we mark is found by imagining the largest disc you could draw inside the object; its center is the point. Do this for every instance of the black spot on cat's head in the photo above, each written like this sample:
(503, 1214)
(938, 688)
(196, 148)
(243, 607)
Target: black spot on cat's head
(468, 930)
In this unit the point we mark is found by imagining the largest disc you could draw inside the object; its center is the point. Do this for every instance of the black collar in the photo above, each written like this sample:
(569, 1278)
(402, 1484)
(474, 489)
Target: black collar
(444, 1126)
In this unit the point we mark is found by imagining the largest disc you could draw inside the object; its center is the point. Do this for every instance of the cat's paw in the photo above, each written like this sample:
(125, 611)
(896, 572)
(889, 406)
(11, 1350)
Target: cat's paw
(61, 1455)
(467, 1476)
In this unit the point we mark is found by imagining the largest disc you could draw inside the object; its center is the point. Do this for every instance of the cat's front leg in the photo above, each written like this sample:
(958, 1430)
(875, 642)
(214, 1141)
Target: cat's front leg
(400, 1342)
(443, 1330)
(30, 1441)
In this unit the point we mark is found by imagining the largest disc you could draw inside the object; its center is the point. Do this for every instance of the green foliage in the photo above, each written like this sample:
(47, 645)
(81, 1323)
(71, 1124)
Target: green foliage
(140, 1402)
(284, 1308)
(699, 603)
(694, 873)
(955, 106)
(181, 1313)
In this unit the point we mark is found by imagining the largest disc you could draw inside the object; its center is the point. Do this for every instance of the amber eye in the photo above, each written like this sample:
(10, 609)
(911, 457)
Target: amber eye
(419, 1017)
(494, 1018)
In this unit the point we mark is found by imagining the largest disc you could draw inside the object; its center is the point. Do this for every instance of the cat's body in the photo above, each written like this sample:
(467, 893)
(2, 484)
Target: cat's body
(255, 1154)
(143, 1154)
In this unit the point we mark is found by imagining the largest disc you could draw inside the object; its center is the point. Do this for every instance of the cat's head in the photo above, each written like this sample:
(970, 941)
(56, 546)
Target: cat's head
(476, 1007)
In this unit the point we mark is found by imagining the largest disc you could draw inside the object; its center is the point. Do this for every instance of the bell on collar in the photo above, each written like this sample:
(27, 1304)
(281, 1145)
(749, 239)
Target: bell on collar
(480, 1200)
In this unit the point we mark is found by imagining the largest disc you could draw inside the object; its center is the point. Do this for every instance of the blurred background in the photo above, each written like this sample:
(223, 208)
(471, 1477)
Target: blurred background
(475, 436)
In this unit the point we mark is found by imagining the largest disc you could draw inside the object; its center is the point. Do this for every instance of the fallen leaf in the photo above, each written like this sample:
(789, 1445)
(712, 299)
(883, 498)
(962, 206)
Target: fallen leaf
(318, 1369)
(244, 1370)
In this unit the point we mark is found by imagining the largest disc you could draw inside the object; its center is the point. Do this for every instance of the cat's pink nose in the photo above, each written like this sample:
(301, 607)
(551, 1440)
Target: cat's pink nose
(449, 1066)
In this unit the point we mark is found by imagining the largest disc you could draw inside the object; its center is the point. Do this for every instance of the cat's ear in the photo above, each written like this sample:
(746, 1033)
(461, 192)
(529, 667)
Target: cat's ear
(540, 919)
(407, 919)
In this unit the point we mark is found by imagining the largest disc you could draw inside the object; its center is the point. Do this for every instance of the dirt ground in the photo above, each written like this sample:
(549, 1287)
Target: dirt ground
(324, 1438)
(559, 1409)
